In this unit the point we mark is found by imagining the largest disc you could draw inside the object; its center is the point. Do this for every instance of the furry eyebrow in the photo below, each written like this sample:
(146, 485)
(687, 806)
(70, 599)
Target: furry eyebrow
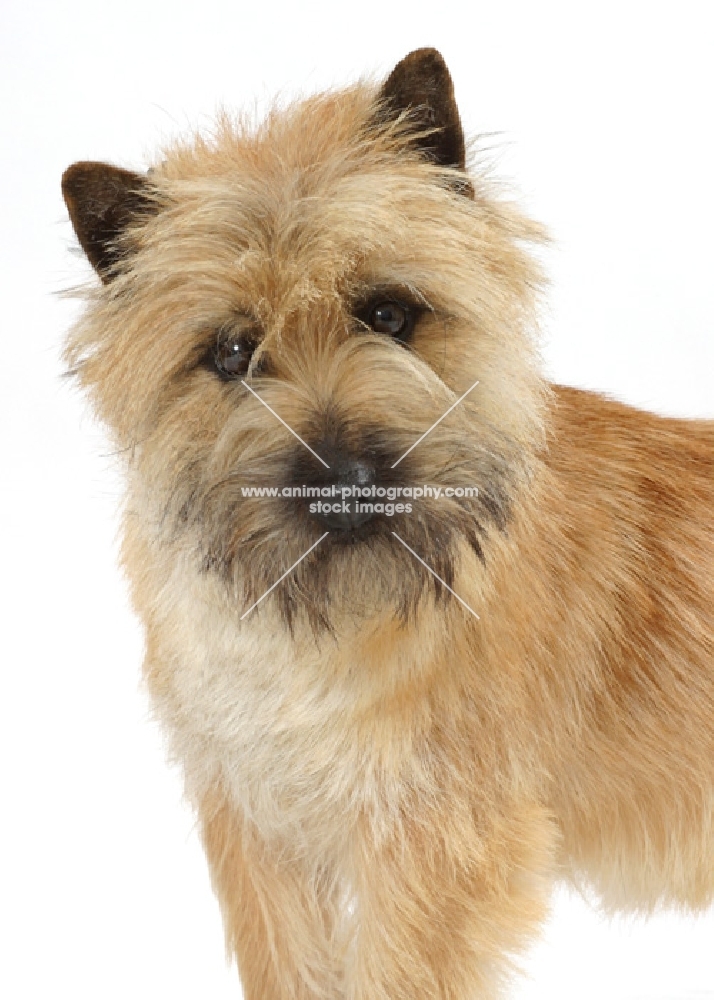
(238, 322)
(370, 294)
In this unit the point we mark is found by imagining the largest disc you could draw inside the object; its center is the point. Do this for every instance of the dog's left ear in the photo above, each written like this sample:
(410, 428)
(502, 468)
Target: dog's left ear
(103, 202)
(422, 85)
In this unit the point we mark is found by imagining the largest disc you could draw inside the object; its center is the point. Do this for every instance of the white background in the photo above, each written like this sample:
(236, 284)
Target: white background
(605, 118)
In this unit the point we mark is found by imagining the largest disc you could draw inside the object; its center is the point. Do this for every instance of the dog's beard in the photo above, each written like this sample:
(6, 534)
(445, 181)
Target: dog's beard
(251, 542)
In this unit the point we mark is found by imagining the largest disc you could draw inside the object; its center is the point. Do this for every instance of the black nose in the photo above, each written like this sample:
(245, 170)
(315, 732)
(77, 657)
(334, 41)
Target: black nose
(344, 513)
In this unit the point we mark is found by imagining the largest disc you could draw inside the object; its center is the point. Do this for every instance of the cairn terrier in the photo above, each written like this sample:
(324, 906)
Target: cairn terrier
(462, 645)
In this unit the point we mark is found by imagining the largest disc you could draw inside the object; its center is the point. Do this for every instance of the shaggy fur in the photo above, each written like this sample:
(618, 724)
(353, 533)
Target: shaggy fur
(388, 785)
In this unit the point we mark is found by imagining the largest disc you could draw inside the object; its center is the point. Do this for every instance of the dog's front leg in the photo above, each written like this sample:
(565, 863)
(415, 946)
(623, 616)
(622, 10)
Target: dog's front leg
(441, 906)
(279, 916)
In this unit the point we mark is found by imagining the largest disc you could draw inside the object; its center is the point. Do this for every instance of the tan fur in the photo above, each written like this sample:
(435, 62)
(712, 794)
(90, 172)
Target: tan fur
(388, 792)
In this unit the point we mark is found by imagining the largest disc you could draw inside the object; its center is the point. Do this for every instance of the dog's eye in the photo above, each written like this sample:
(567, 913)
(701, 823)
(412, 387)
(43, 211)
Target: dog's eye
(391, 318)
(233, 351)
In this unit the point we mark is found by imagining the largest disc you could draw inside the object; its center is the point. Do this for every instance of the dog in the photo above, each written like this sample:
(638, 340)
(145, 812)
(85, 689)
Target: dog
(426, 633)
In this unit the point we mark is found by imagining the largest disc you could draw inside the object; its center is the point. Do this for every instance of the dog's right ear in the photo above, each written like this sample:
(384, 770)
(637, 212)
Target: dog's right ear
(103, 201)
(421, 86)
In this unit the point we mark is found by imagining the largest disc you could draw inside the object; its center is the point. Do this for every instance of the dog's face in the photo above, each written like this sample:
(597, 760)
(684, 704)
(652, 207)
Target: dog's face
(295, 306)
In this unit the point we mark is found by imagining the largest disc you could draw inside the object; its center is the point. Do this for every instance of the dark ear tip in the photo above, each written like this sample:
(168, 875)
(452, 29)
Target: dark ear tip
(423, 64)
(426, 57)
(72, 180)
(95, 176)
(78, 173)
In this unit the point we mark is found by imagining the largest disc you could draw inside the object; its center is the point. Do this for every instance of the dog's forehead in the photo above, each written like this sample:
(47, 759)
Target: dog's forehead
(312, 192)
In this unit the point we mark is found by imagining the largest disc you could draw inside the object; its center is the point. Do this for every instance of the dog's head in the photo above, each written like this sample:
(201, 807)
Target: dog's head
(292, 307)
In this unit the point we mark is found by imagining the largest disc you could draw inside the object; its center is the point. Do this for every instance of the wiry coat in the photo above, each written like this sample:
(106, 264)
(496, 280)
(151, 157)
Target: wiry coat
(387, 784)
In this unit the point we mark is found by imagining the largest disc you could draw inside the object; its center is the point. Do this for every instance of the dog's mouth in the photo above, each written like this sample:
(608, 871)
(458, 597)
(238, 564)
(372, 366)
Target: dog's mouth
(338, 536)
(354, 533)
(336, 564)
(353, 514)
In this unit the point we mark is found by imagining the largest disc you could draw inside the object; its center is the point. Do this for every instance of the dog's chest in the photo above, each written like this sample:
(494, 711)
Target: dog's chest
(280, 732)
